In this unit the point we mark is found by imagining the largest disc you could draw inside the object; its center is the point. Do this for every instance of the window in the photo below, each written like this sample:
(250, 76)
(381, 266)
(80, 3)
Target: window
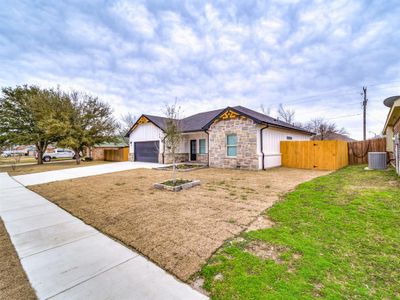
(202, 146)
(231, 145)
(289, 138)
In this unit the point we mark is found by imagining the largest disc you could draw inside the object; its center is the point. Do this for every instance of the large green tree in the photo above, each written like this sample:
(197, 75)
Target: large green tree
(90, 122)
(31, 115)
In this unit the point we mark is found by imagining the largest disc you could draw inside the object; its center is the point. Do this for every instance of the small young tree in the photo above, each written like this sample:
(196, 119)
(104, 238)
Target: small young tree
(30, 115)
(323, 128)
(90, 122)
(173, 134)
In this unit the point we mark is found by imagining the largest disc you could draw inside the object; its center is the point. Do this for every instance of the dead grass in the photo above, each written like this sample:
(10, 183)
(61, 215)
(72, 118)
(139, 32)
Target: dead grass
(11, 160)
(13, 281)
(179, 231)
(28, 169)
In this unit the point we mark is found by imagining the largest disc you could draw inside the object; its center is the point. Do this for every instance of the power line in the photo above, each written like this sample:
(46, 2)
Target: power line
(334, 93)
(344, 116)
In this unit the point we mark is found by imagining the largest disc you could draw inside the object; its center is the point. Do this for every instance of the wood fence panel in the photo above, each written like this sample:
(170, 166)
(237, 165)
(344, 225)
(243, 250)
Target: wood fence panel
(116, 155)
(125, 154)
(297, 153)
(358, 151)
(321, 155)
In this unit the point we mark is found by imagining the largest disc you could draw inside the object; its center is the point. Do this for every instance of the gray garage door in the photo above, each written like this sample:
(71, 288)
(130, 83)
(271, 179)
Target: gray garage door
(147, 151)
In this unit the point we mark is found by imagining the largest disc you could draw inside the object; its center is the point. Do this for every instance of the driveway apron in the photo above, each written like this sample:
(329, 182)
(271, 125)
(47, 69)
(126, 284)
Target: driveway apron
(57, 175)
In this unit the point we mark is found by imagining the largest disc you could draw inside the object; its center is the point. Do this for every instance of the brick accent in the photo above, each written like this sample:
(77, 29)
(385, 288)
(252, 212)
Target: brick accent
(98, 152)
(246, 132)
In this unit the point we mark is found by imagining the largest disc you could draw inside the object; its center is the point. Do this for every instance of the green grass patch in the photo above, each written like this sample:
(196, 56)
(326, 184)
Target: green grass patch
(336, 237)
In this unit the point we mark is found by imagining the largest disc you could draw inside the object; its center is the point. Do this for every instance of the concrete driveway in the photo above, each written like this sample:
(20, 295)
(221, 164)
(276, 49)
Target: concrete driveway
(58, 175)
(66, 259)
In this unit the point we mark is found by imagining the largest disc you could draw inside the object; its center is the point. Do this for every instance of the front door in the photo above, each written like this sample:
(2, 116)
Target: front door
(193, 149)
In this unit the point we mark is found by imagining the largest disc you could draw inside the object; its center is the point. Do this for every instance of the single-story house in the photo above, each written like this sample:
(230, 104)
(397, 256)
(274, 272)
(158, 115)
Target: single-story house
(232, 137)
(97, 151)
(332, 136)
(392, 130)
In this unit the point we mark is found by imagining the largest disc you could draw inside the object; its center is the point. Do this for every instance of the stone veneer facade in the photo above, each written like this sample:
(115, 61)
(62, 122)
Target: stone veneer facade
(246, 131)
(201, 158)
(179, 157)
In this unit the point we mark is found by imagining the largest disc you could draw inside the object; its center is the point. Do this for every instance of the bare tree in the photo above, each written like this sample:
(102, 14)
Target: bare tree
(286, 114)
(265, 111)
(323, 128)
(126, 123)
(173, 134)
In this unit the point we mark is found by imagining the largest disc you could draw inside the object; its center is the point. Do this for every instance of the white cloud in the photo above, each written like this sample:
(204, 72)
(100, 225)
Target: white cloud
(137, 55)
(136, 16)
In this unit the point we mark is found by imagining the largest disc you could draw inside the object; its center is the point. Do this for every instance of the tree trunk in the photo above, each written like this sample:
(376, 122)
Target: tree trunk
(41, 149)
(173, 169)
(40, 158)
(77, 157)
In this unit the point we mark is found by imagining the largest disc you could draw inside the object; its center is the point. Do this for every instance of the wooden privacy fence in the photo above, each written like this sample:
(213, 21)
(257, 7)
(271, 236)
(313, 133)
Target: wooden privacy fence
(116, 155)
(321, 155)
(358, 151)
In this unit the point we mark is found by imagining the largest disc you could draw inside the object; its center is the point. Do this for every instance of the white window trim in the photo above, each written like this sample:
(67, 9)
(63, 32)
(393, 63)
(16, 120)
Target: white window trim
(205, 147)
(226, 148)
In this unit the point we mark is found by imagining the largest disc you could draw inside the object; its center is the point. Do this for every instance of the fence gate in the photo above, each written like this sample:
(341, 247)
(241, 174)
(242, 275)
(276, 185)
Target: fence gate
(358, 151)
(320, 155)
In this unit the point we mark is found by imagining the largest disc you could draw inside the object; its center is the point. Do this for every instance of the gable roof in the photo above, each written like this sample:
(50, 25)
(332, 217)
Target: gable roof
(202, 121)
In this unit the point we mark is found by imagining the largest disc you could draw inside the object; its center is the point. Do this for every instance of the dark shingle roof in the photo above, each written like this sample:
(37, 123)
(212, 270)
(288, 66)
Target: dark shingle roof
(198, 121)
(267, 119)
(202, 121)
(158, 121)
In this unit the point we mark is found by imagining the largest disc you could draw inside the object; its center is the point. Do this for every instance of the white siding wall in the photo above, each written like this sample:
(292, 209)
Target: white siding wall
(271, 144)
(150, 132)
(143, 133)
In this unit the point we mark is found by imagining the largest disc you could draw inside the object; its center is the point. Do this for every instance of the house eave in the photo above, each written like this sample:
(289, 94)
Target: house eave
(393, 115)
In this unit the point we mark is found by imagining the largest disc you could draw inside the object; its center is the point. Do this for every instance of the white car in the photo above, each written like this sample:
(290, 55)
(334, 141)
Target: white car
(58, 153)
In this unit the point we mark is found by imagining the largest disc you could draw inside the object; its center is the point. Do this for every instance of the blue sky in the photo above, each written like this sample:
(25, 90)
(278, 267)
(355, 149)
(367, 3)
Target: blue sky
(313, 56)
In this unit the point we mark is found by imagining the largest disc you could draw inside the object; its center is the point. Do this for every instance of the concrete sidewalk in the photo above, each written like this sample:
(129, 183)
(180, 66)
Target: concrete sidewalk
(67, 259)
(57, 175)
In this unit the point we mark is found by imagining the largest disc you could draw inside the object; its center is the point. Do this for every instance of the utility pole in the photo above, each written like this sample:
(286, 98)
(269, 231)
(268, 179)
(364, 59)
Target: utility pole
(364, 104)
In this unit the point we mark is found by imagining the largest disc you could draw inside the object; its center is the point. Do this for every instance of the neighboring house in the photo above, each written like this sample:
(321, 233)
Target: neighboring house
(233, 137)
(97, 151)
(392, 130)
(332, 136)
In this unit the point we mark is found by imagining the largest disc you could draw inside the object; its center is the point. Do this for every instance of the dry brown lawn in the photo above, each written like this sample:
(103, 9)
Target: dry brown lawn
(13, 281)
(179, 231)
(28, 169)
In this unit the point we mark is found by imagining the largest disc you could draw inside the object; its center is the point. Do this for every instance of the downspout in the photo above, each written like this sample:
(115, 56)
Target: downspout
(163, 153)
(262, 148)
(208, 147)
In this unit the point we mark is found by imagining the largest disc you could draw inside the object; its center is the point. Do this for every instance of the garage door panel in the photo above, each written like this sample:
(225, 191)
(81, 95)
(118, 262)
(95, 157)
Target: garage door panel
(147, 151)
